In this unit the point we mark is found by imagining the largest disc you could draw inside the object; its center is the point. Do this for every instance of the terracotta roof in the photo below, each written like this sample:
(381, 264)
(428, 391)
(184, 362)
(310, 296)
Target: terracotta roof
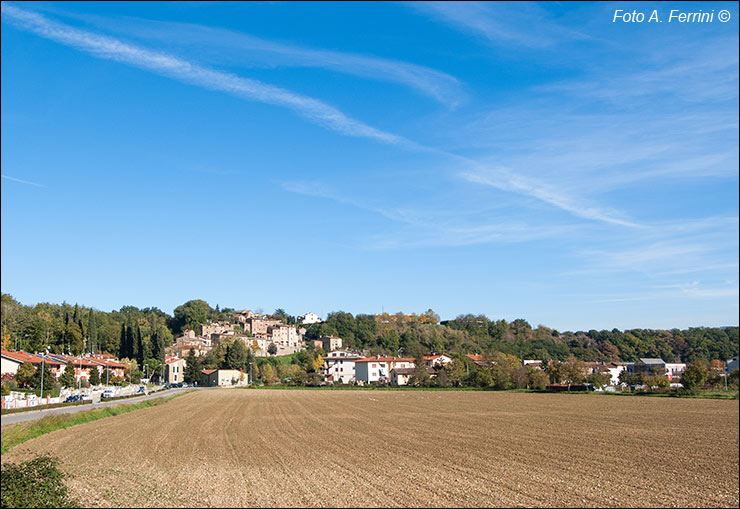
(21, 356)
(475, 357)
(377, 358)
(403, 371)
(208, 371)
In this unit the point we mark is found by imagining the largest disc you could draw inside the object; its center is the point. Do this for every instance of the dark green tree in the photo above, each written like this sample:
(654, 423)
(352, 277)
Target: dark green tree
(48, 378)
(94, 376)
(695, 376)
(92, 333)
(236, 355)
(192, 368)
(272, 349)
(68, 376)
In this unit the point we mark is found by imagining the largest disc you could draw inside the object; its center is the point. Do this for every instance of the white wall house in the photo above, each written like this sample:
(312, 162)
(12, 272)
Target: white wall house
(436, 359)
(340, 365)
(374, 369)
(309, 318)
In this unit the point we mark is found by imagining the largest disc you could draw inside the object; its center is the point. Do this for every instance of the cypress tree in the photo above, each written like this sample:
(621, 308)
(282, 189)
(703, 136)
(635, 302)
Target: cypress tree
(122, 349)
(92, 332)
(94, 376)
(130, 341)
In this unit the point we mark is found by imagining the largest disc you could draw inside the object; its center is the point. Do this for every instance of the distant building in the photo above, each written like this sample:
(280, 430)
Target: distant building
(329, 343)
(174, 371)
(659, 366)
(437, 359)
(309, 318)
(401, 376)
(223, 377)
(378, 369)
(340, 365)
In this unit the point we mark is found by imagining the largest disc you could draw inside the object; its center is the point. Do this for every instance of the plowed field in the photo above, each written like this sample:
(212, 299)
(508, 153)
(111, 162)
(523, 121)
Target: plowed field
(233, 448)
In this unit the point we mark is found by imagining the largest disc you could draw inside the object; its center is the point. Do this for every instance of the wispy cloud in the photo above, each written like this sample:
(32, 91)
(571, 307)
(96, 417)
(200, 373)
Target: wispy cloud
(504, 179)
(227, 46)
(500, 22)
(162, 63)
(22, 181)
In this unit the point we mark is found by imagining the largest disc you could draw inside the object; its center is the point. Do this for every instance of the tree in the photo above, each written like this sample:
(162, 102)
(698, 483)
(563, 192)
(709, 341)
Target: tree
(24, 375)
(420, 377)
(236, 355)
(94, 376)
(191, 315)
(92, 333)
(694, 377)
(483, 377)
(68, 376)
(48, 377)
(272, 349)
(192, 368)
(268, 374)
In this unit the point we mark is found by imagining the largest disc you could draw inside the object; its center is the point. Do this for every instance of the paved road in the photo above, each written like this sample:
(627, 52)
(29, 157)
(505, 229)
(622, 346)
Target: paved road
(32, 415)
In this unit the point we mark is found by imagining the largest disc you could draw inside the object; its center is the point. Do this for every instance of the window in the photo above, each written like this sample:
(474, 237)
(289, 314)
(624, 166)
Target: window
(374, 366)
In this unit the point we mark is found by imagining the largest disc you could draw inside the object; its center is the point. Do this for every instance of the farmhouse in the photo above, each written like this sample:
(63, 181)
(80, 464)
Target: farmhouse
(401, 376)
(222, 377)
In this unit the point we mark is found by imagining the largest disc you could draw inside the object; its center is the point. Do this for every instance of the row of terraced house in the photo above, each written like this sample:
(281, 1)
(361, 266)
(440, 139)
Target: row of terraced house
(12, 360)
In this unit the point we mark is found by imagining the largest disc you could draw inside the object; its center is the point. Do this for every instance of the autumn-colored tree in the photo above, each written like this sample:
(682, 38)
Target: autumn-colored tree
(268, 375)
(24, 375)
(317, 364)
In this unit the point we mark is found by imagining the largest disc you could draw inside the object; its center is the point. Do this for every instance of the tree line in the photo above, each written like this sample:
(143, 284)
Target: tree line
(142, 333)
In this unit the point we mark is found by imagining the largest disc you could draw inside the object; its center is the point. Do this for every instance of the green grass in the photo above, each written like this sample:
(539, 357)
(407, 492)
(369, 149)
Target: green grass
(15, 434)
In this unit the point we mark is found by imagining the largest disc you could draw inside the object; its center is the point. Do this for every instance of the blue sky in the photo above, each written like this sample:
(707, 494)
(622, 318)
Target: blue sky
(533, 161)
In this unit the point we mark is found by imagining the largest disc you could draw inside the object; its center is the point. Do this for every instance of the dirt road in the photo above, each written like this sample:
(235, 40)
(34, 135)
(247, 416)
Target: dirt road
(270, 448)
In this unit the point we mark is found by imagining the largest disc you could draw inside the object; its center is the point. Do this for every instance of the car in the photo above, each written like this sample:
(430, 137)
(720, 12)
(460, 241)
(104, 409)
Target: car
(72, 398)
(142, 389)
(108, 393)
(85, 397)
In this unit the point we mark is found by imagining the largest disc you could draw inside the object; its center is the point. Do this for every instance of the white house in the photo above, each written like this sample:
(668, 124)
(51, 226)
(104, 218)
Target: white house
(309, 318)
(174, 369)
(340, 365)
(374, 369)
(436, 359)
(401, 376)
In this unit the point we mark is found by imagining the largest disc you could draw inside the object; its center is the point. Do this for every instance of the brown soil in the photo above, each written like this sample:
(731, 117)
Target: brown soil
(272, 448)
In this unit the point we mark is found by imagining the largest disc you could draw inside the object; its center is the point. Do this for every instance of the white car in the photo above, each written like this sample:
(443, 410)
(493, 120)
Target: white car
(85, 397)
(108, 393)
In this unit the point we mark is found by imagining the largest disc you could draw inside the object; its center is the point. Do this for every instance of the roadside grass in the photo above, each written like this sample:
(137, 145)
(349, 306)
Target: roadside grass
(15, 434)
(6, 411)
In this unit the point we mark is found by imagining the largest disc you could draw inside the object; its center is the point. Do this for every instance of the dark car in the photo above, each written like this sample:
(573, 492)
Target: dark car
(72, 399)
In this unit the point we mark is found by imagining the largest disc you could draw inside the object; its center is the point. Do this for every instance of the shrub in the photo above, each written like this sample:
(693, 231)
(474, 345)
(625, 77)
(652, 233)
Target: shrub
(34, 483)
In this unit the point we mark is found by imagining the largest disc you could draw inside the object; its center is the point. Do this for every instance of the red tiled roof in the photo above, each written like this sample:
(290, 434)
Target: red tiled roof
(475, 357)
(28, 357)
(208, 371)
(384, 359)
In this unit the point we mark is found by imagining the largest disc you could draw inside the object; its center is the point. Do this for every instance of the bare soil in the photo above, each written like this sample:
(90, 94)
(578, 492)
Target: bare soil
(274, 448)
